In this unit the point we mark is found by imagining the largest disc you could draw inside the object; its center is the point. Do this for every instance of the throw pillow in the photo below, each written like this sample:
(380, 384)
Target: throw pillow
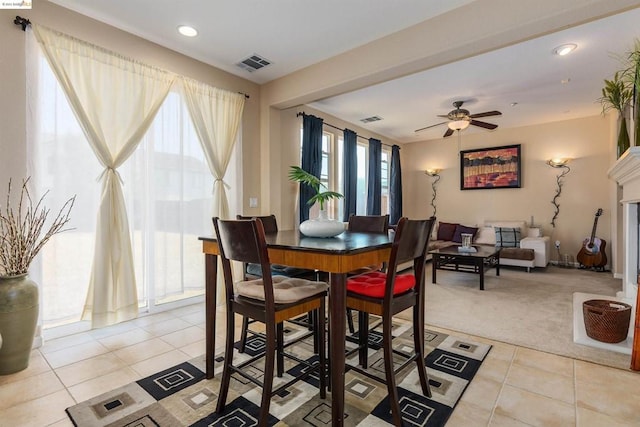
(457, 235)
(485, 236)
(507, 237)
(446, 230)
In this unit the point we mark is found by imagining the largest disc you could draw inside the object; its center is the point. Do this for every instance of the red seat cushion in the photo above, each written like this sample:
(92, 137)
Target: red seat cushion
(373, 284)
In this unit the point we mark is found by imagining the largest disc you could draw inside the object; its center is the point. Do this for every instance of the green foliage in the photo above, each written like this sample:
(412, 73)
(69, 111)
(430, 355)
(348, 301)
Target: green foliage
(622, 91)
(616, 93)
(298, 174)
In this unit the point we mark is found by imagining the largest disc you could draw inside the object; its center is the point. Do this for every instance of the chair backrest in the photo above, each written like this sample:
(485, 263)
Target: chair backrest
(369, 223)
(409, 244)
(244, 241)
(268, 222)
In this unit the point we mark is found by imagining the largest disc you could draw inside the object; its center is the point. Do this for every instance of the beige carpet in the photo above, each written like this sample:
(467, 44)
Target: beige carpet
(533, 310)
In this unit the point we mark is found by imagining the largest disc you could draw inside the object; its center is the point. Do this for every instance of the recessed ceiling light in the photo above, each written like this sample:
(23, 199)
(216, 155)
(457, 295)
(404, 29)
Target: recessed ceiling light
(565, 81)
(565, 49)
(187, 31)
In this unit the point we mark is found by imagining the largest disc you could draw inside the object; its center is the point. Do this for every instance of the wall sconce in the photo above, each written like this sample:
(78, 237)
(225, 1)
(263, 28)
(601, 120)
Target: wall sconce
(435, 174)
(558, 164)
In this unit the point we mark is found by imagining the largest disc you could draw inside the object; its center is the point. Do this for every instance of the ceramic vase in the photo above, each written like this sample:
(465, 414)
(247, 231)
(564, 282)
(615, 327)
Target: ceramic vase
(321, 226)
(18, 318)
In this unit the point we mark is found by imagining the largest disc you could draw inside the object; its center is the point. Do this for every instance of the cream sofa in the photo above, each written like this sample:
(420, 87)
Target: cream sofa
(533, 249)
(531, 239)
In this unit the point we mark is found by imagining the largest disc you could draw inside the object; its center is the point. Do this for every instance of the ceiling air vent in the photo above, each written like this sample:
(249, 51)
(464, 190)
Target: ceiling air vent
(371, 119)
(253, 63)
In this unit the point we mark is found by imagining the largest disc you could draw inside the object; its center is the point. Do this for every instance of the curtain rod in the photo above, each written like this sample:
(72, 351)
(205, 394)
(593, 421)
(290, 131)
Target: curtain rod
(336, 127)
(24, 23)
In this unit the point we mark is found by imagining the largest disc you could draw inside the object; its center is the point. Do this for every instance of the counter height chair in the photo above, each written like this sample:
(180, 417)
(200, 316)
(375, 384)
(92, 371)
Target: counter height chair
(254, 271)
(269, 299)
(366, 224)
(387, 294)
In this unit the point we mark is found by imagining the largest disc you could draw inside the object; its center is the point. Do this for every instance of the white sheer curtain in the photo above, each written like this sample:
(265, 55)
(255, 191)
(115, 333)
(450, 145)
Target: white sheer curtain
(168, 196)
(216, 115)
(115, 100)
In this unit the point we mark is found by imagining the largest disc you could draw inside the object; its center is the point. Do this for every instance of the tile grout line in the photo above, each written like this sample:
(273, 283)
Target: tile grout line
(575, 392)
(504, 381)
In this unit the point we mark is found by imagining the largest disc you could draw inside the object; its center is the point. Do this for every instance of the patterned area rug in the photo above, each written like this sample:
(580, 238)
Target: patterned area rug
(180, 396)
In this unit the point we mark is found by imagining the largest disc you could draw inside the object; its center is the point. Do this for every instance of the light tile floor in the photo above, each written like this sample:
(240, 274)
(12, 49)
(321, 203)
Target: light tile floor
(515, 386)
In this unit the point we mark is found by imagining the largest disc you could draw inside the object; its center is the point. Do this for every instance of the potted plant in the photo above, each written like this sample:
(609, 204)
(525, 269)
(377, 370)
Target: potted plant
(322, 226)
(23, 233)
(617, 94)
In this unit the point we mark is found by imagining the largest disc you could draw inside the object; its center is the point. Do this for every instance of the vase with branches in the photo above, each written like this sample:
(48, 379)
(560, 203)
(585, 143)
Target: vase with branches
(322, 226)
(24, 230)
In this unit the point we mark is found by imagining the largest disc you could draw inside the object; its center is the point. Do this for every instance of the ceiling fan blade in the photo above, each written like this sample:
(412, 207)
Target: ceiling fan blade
(428, 127)
(485, 114)
(449, 132)
(446, 116)
(483, 124)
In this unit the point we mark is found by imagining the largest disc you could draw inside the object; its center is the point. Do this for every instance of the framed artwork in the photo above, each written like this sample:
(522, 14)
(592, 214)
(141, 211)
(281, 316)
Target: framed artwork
(495, 167)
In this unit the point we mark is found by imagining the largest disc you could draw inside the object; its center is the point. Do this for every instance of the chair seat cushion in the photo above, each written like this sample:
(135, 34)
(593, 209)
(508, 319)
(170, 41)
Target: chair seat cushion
(285, 289)
(373, 284)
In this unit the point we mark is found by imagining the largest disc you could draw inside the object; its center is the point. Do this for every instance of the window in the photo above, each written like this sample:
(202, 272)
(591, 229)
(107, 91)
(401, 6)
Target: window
(332, 176)
(385, 166)
(167, 189)
(329, 176)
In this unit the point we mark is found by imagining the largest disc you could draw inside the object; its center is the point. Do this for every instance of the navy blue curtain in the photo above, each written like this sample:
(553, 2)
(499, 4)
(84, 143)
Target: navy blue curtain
(311, 158)
(350, 173)
(374, 193)
(395, 187)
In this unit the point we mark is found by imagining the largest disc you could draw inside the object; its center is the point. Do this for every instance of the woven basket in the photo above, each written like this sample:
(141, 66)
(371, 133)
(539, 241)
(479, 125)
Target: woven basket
(606, 321)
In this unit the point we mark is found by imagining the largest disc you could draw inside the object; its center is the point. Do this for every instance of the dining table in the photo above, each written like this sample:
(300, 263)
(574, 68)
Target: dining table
(337, 256)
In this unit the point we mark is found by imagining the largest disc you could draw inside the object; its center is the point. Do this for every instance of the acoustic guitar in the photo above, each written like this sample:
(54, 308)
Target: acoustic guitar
(592, 253)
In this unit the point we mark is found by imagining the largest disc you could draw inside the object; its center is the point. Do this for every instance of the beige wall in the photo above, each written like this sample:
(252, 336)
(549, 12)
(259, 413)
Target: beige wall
(13, 156)
(586, 188)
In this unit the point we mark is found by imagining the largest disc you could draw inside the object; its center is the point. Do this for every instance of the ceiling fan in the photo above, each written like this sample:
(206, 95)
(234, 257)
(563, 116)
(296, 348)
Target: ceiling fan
(460, 119)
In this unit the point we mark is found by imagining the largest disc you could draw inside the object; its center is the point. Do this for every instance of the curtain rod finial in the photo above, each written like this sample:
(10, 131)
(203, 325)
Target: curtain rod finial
(23, 22)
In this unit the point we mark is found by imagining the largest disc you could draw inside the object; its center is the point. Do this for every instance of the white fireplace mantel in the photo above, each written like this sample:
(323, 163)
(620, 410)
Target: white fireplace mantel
(626, 172)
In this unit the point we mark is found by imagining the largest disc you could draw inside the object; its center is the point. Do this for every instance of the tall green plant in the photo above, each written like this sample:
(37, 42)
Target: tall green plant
(616, 94)
(298, 174)
(632, 74)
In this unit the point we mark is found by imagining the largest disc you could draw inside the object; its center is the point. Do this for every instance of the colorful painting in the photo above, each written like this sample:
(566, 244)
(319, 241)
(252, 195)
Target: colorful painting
(497, 167)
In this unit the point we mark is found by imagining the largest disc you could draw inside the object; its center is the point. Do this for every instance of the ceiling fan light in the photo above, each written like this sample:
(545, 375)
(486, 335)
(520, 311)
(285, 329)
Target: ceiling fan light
(458, 124)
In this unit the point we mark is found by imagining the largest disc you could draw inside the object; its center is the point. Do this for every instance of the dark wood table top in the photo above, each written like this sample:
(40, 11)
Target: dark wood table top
(347, 242)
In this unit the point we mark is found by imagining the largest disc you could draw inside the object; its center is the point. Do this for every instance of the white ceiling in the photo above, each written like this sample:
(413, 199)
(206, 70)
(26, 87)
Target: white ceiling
(287, 33)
